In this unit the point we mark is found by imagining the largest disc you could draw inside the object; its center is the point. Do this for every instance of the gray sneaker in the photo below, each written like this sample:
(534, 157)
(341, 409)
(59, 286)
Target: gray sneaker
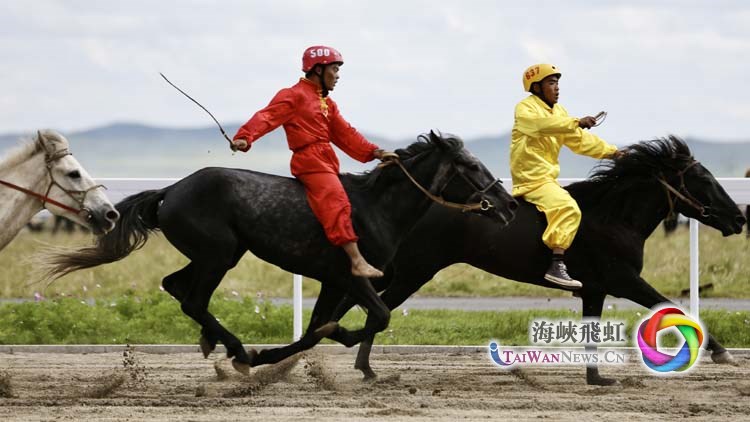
(558, 274)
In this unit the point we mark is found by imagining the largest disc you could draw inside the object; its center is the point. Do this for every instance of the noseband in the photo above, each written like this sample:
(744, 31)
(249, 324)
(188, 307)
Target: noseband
(78, 196)
(682, 193)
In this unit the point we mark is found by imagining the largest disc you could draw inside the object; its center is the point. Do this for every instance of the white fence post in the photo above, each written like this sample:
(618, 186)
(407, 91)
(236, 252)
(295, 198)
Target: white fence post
(297, 300)
(694, 267)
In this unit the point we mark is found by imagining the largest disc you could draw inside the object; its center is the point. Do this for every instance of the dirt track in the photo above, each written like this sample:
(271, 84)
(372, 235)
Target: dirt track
(434, 387)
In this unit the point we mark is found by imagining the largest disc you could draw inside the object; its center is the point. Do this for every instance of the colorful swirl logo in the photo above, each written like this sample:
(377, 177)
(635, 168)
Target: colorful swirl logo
(666, 318)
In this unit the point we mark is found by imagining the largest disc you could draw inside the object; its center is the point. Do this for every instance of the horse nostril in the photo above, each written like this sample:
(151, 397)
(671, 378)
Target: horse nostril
(513, 205)
(741, 220)
(112, 215)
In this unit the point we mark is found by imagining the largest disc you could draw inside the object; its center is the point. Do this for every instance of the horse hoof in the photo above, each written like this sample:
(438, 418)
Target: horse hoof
(369, 375)
(252, 354)
(241, 367)
(206, 347)
(326, 330)
(724, 358)
(601, 381)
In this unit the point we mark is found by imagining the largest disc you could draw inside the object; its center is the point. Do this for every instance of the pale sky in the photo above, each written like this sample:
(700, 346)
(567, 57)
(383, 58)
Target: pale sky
(657, 67)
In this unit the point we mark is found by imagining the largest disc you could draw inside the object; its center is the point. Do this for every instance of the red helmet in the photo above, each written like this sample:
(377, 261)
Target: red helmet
(320, 54)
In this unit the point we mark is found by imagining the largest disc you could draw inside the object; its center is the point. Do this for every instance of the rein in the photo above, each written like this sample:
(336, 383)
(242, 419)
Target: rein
(50, 158)
(687, 197)
(482, 205)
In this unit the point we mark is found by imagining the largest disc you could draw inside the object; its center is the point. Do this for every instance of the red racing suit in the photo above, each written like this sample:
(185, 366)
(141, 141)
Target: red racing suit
(311, 123)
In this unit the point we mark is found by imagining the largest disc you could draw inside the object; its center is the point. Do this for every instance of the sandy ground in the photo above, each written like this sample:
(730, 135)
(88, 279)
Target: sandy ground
(436, 387)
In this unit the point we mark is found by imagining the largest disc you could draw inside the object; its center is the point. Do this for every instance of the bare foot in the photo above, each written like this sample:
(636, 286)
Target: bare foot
(363, 269)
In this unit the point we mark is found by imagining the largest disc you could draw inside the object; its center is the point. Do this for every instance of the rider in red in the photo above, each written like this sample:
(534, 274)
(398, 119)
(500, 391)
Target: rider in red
(311, 120)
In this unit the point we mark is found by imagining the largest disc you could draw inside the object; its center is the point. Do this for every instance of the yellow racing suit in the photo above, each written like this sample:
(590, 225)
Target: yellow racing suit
(539, 131)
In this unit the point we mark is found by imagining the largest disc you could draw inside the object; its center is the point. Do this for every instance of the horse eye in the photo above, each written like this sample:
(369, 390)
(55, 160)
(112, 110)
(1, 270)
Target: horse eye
(75, 174)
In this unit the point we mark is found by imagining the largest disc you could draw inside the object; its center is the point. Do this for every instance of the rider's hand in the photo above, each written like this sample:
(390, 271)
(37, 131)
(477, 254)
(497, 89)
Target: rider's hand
(586, 122)
(383, 155)
(239, 144)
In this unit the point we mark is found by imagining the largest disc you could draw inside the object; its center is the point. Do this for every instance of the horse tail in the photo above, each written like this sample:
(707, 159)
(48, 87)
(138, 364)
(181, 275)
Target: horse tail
(138, 218)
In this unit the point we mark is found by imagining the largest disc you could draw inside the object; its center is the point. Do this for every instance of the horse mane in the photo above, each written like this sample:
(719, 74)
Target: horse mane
(422, 145)
(19, 154)
(642, 162)
(29, 146)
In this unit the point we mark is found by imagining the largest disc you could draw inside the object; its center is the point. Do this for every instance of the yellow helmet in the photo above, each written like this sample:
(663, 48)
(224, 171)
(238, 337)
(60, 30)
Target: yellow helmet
(537, 72)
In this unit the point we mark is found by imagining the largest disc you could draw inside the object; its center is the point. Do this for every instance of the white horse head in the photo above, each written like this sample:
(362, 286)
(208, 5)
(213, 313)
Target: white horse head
(50, 177)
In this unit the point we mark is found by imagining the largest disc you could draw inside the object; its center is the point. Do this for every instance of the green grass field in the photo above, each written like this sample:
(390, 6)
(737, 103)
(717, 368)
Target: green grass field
(131, 309)
(724, 264)
(157, 319)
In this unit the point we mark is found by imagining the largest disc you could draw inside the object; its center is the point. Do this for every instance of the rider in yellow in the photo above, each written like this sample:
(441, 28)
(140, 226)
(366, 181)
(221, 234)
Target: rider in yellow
(540, 130)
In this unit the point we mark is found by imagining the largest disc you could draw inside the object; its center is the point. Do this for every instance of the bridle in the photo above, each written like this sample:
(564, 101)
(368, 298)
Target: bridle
(682, 193)
(78, 196)
(483, 204)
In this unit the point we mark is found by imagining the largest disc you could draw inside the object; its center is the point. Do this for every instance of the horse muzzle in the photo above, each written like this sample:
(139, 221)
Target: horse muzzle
(727, 225)
(101, 221)
(505, 211)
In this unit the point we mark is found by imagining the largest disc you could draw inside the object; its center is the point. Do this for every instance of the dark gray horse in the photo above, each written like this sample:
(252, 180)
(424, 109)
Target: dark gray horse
(214, 215)
(622, 203)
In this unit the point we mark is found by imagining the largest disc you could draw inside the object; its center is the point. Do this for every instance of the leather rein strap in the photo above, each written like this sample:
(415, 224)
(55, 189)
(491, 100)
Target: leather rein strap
(482, 205)
(45, 199)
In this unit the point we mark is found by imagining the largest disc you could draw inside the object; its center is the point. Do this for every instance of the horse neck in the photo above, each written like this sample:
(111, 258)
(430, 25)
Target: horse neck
(401, 203)
(18, 208)
(642, 207)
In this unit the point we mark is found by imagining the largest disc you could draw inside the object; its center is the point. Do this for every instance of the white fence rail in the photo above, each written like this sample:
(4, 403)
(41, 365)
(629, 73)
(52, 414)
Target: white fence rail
(118, 188)
(737, 187)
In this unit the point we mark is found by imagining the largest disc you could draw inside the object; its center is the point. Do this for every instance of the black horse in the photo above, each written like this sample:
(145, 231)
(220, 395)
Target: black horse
(214, 215)
(622, 203)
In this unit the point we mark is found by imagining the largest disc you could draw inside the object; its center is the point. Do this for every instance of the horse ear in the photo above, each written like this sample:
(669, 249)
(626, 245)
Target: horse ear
(42, 141)
(437, 139)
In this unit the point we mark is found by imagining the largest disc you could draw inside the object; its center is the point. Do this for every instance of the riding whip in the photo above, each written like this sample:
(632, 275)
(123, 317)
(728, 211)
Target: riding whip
(204, 109)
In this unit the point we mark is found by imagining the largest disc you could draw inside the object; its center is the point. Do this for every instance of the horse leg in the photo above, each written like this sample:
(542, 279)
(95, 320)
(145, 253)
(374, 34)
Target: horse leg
(206, 276)
(378, 313)
(362, 291)
(396, 292)
(394, 295)
(347, 302)
(320, 326)
(342, 336)
(593, 303)
(640, 292)
(178, 285)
